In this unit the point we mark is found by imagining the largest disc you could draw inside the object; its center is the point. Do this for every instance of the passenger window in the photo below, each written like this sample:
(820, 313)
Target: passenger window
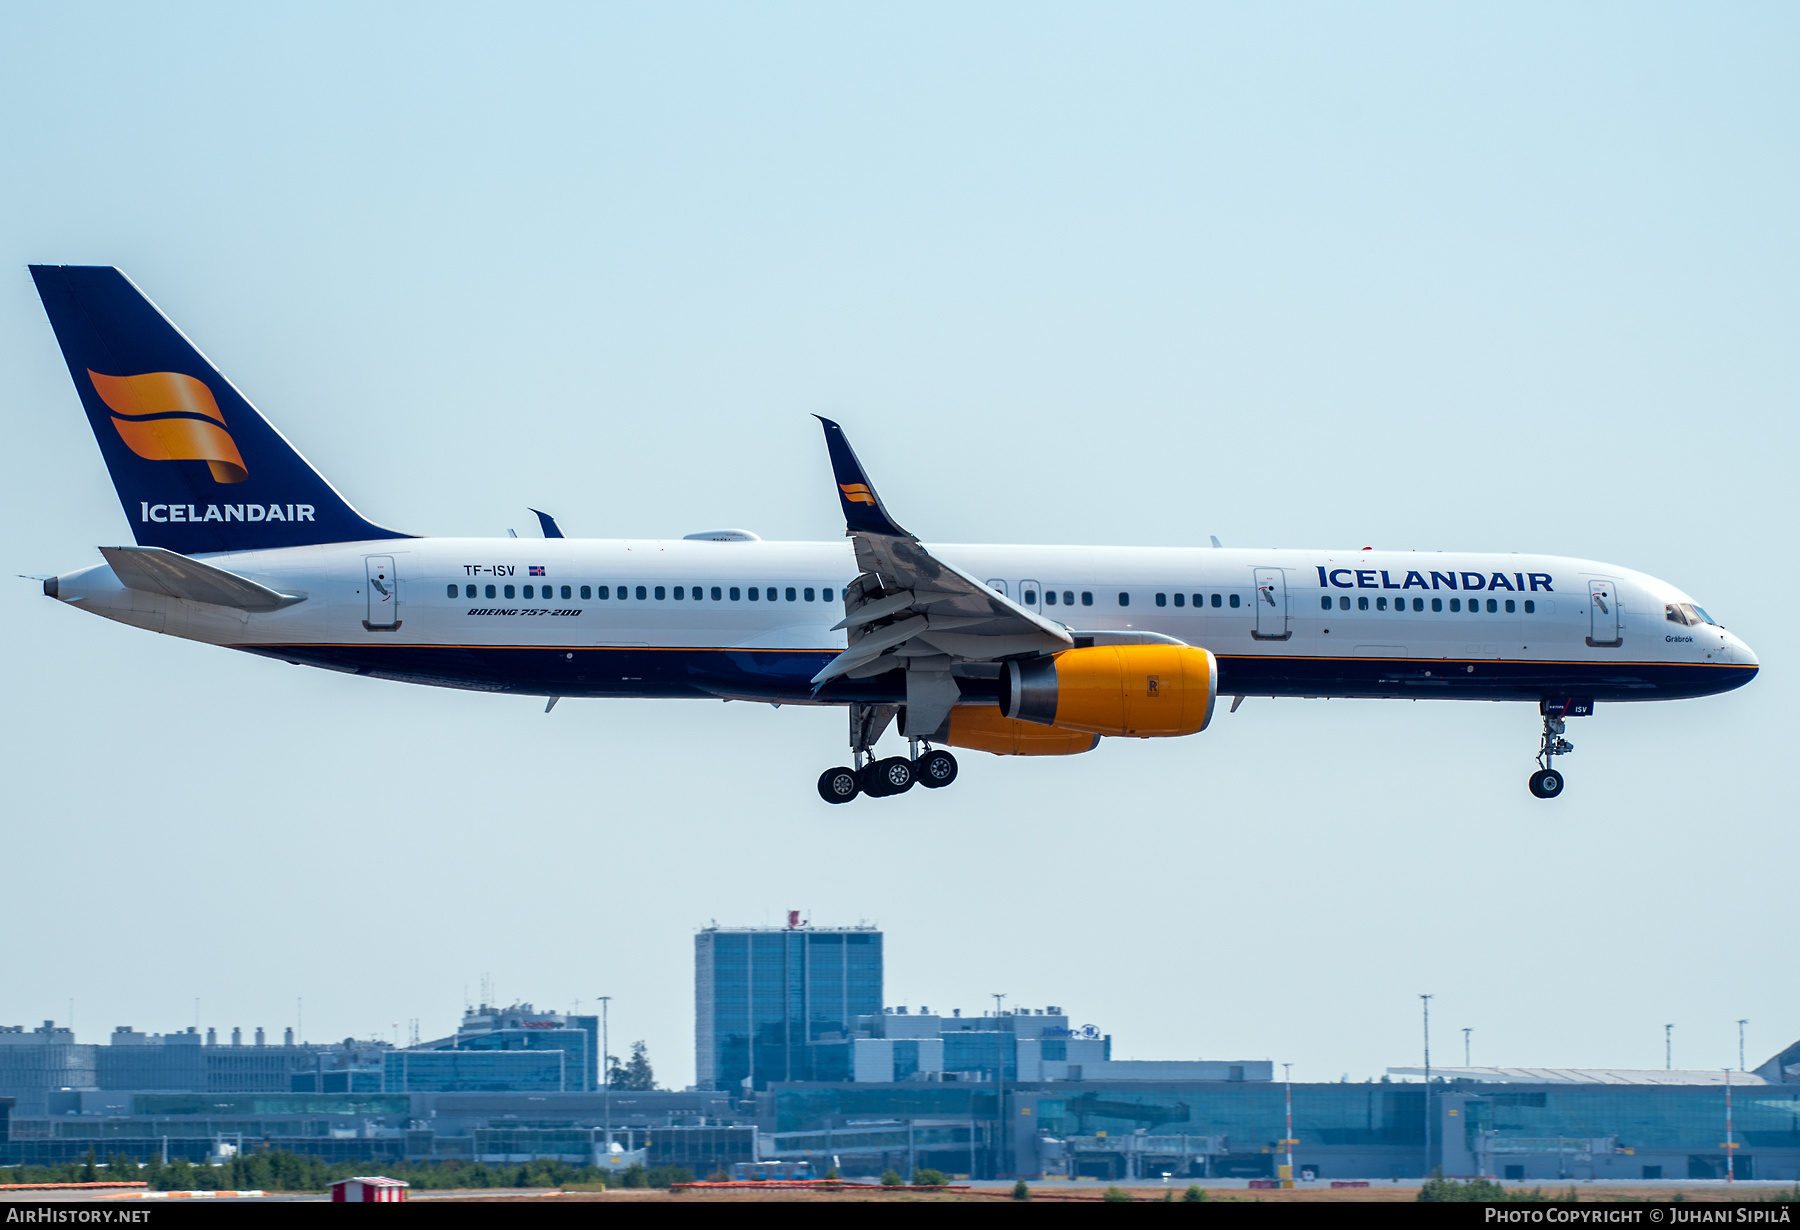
(450, 592)
(1362, 602)
(1180, 599)
(508, 591)
(790, 593)
(1087, 598)
(753, 593)
(809, 594)
(1343, 602)
(827, 592)
(490, 591)
(1381, 604)
(734, 593)
(469, 591)
(1418, 604)
(1215, 600)
(1049, 597)
(1530, 607)
(642, 593)
(1068, 597)
(1509, 606)
(1325, 603)
(659, 593)
(603, 592)
(1456, 604)
(1029, 597)
(680, 593)
(1494, 606)
(528, 591)
(1162, 600)
(715, 593)
(587, 591)
(1437, 604)
(1124, 598)
(1234, 600)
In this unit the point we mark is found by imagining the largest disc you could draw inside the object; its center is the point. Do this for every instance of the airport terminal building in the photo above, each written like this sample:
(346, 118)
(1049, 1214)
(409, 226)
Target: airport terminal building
(800, 1060)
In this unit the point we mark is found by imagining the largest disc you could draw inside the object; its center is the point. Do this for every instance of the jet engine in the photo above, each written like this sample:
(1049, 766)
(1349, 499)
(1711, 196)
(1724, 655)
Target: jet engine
(982, 729)
(1141, 691)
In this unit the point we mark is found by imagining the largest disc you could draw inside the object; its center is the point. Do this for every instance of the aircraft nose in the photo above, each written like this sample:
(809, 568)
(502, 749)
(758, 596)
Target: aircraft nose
(1741, 652)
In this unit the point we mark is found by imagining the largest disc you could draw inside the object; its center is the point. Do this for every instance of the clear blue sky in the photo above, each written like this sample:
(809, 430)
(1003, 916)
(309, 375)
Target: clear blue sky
(1495, 277)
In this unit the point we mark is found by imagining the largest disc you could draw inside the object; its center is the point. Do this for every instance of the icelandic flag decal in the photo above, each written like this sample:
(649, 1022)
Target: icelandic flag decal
(537, 570)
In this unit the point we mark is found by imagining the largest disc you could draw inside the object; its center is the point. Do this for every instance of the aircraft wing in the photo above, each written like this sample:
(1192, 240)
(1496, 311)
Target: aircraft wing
(910, 610)
(158, 571)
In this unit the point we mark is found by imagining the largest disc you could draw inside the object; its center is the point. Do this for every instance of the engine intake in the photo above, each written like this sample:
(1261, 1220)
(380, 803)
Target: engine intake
(1140, 691)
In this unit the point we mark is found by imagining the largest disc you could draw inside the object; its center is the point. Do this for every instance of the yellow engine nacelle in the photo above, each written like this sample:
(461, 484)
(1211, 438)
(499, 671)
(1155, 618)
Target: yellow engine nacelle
(1141, 691)
(982, 729)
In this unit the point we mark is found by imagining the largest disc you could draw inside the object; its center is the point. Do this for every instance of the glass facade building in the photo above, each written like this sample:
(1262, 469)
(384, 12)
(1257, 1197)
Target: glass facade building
(471, 1071)
(778, 1004)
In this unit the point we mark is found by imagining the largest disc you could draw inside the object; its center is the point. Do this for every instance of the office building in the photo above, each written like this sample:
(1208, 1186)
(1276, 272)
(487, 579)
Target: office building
(495, 1049)
(778, 1003)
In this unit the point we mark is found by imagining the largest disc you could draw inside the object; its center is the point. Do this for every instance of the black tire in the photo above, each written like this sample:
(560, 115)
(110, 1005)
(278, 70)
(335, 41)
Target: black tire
(1546, 783)
(889, 777)
(935, 769)
(839, 785)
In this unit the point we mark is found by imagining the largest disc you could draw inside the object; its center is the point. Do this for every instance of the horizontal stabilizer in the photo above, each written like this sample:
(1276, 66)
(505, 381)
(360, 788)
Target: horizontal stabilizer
(156, 571)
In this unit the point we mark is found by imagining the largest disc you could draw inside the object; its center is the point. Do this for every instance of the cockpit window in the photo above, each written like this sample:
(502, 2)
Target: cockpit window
(1686, 613)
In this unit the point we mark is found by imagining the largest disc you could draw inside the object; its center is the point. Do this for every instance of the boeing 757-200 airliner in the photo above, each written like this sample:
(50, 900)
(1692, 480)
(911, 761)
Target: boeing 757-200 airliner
(1014, 650)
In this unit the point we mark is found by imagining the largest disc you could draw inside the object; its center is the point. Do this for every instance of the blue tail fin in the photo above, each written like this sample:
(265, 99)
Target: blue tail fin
(196, 467)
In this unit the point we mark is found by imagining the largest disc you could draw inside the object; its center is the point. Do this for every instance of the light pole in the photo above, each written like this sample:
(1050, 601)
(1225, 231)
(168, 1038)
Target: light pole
(1287, 1137)
(1466, 1033)
(1741, 1025)
(1425, 1001)
(1000, 1122)
(1730, 1145)
(1668, 1048)
(606, 1074)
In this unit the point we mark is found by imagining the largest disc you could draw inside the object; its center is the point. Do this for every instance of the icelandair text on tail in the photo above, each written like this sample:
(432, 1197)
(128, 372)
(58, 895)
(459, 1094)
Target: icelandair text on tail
(226, 512)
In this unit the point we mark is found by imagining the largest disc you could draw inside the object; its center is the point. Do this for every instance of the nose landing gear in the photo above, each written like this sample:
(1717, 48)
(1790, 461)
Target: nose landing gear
(1548, 781)
(927, 766)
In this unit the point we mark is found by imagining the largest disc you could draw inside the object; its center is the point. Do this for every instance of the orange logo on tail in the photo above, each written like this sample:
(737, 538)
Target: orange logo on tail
(164, 416)
(857, 493)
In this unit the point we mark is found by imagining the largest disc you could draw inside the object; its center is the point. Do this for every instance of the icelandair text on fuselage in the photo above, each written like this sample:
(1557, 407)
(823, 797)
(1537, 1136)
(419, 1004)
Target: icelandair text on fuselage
(227, 512)
(1364, 578)
(1676, 1215)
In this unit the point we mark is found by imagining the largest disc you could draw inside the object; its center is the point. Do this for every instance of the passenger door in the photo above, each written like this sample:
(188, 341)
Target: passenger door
(1605, 626)
(383, 591)
(1271, 605)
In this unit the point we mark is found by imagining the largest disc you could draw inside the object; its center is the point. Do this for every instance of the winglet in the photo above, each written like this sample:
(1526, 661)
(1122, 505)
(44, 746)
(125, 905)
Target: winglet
(863, 510)
(551, 529)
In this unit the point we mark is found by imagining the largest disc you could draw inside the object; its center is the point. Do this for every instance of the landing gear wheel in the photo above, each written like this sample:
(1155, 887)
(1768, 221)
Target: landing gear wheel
(1546, 783)
(838, 785)
(887, 777)
(935, 769)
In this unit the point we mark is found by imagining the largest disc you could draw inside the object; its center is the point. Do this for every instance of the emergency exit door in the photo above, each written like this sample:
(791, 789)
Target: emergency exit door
(1271, 604)
(1605, 625)
(383, 593)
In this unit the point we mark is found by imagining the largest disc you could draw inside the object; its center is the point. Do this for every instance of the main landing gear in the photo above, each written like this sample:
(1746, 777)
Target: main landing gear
(1548, 781)
(931, 767)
